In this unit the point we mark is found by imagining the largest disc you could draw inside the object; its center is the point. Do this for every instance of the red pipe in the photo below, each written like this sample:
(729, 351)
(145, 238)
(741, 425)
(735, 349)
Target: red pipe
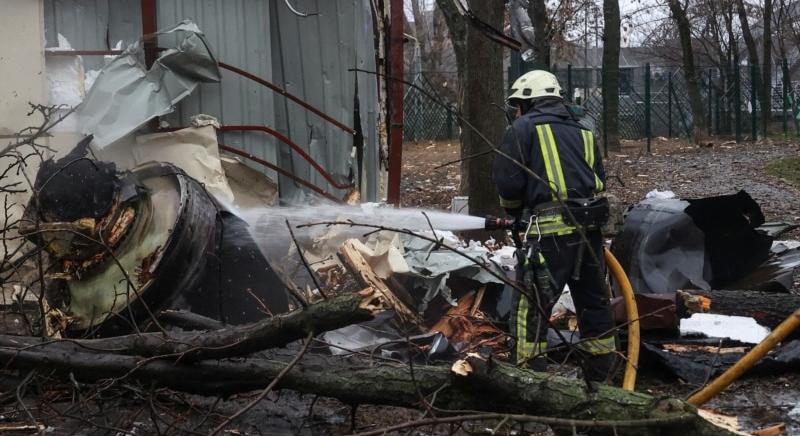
(280, 170)
(290, 143)
(395, 101)
(82, 52)
(149, 28)
(286, 94)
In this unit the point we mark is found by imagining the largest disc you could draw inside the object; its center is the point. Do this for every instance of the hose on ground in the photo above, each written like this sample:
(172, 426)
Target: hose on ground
(632, 312)
(747, 361)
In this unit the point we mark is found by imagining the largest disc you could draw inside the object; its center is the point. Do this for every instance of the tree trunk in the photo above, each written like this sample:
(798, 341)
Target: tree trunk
(457, 29)
(767, 308)
(499, 388)
(750, 43)
(230, 341)
(766, 84)
(611, 47)
(483, 78)
(537, 11)
(422, 35)
(696, 102)
(733, 62)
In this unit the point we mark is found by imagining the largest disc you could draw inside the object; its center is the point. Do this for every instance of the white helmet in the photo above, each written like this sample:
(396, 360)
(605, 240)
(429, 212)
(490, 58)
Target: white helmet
(535, 84)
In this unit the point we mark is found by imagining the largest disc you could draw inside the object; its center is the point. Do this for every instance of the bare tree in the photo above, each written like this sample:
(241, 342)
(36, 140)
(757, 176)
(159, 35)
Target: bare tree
(457, 31)
(766, 85)
(611, 47)
(483, 85)
(537, 11)
(684, 32)
(750, 43)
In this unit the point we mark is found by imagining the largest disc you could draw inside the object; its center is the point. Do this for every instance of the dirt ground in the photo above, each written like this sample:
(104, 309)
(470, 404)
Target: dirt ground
(422, 185)
(690, 172)
(675, 165)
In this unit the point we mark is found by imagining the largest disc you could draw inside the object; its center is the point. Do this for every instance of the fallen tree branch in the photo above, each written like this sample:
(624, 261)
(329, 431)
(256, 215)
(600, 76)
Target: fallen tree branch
(501, 388)
(231, 341)
(767, 308)
(188, 320)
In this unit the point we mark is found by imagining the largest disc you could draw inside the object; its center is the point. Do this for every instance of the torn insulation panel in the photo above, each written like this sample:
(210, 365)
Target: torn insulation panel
(126, 95)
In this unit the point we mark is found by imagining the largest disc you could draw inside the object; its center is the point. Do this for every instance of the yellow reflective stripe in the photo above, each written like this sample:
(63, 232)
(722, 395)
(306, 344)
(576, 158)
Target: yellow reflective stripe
(598, 184)
(551, 225)
(510, 204)
(548, 165)
(562, 185)
(588, 146)
(522, 329)
(588, 152)
(526, 349)
(553, 232)
(599, 345)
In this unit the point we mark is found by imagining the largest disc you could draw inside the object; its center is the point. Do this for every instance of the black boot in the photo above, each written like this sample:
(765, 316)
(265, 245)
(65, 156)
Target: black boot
(600, 367)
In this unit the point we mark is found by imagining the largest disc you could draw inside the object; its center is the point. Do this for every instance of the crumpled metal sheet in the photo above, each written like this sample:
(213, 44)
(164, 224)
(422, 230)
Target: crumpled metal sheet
(661, 249)
(671, 244)
(126, 95)
(431, 268)
(776, 274)
(697, 367)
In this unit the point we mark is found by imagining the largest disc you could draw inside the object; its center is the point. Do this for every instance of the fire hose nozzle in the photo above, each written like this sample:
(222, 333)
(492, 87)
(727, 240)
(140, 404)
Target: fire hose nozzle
(497, 223)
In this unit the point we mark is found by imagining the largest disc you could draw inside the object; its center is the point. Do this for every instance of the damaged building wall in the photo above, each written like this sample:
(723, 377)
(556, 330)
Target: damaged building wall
(314, 56)
(236, 34)
(21, 63)
(309, 56)
(21, 67)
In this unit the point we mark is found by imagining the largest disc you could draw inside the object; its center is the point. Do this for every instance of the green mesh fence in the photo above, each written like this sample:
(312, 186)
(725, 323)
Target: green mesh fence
(730, 107)
(425, 119)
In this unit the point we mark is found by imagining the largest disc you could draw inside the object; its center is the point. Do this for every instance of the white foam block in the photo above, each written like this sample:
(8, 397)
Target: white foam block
(739, 328)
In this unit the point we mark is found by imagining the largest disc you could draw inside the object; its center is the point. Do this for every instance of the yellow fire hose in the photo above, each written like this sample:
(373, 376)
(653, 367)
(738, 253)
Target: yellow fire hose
(747, 361)
(632, 311)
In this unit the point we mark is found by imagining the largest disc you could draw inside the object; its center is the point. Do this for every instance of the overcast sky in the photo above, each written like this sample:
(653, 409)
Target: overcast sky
(644, 15)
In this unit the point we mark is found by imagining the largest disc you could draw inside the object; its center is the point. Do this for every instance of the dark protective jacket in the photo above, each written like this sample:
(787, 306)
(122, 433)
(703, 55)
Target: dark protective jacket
(548, 140)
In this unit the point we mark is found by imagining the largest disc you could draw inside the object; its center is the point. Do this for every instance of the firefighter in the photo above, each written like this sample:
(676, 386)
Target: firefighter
(547, 139)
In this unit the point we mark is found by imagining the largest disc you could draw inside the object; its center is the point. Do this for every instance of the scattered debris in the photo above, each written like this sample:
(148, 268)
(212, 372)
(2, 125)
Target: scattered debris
(737, 328)
(669, 244)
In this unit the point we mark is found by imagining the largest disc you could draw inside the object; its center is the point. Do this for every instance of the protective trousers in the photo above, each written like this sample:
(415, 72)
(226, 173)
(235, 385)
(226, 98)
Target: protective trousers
(558, 255)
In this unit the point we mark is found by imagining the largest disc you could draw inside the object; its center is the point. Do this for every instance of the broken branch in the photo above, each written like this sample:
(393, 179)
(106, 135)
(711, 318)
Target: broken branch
(230, 341)
(500, 388)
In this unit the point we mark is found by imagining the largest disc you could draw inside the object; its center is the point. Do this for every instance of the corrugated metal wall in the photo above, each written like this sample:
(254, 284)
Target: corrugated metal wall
(312, 56)
(309, 56)
(237, 32)
(92, 25)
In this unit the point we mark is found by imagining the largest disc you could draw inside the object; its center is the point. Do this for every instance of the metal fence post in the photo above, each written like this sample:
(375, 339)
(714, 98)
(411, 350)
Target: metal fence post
(785, 98)
(669, 105)
(753, 102)
(605, 125)
(737, 91)
(716, 103)
(647, 127)
(710, 122)
(449, 125)
(569, 83)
